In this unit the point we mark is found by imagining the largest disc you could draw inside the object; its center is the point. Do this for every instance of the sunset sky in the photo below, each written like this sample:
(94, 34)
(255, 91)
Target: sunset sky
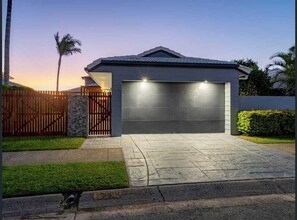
(215, 29)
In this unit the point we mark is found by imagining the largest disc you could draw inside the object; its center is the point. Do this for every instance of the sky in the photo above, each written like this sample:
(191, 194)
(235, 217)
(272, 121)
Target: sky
(214, 29)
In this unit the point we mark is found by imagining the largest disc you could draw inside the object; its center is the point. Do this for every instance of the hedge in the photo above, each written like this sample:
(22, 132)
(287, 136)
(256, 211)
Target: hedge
(266, 122)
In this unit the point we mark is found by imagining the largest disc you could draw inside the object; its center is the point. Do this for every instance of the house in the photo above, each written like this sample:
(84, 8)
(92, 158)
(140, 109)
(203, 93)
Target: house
(89, 86)
(163, 91)
(10, 83)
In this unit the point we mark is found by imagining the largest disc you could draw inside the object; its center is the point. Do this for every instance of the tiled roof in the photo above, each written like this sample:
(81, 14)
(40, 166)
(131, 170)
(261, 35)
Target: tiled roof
(140, 59)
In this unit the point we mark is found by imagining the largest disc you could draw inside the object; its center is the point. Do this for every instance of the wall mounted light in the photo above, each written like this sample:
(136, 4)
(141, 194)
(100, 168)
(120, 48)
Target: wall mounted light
(144, 80)
(205, 81)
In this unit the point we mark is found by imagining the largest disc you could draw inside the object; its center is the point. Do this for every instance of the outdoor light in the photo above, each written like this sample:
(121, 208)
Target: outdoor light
(144, 79)
(205, 81)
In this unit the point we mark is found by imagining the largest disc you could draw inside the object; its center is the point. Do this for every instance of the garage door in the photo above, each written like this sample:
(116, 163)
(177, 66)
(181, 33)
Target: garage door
(155, 107)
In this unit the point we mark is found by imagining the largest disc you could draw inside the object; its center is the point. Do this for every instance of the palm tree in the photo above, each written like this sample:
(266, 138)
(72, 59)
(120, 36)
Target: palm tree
(65, 47)
(283, 66)
(7, 42)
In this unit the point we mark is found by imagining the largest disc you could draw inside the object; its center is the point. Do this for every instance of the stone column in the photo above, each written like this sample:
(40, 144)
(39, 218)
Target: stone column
(77, 115)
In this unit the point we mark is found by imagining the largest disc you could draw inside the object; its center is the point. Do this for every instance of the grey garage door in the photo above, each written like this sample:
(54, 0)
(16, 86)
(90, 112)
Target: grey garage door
(155, 107)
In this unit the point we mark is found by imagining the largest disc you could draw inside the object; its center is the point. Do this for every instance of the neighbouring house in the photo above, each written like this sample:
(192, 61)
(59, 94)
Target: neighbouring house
(162, 91)
(10, 83)
(89, 86)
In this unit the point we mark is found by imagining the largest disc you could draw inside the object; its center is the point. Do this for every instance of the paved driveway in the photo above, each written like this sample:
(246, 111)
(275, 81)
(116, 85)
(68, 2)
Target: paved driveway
(157, 159)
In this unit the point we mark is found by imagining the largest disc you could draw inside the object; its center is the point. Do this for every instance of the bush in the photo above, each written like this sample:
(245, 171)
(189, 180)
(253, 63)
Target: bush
(7, 87)
(266, 122)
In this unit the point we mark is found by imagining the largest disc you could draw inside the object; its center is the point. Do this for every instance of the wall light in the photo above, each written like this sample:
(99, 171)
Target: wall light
(144, 79)
(205, 81)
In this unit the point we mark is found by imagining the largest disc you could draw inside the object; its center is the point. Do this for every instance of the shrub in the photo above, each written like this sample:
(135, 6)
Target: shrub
(7, 87)
(266, 122)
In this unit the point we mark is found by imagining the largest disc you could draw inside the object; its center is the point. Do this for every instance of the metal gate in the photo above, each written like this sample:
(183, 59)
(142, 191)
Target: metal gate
(99, 113)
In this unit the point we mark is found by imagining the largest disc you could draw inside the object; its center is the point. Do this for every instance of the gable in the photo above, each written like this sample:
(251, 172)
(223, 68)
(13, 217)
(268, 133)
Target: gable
(161, 53)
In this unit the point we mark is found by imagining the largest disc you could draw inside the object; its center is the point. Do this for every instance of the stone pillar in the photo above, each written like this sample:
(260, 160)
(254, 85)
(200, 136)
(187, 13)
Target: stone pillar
(77, 115)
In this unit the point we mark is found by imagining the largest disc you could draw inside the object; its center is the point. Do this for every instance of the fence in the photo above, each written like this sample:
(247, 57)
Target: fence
(100, 113)
(34, 113)
(267, 102)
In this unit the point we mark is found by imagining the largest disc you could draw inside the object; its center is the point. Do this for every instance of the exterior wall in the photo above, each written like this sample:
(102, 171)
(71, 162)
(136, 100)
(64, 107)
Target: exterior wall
(167, 74)
(227, 108)
(77, 116)
(89, 81)
(154, 107)
(267, 102)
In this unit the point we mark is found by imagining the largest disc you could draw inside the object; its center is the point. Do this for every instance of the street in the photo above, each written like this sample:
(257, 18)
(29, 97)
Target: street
(274, 206)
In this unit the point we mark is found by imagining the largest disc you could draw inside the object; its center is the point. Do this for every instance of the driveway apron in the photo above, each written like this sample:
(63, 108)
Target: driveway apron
(157, 159)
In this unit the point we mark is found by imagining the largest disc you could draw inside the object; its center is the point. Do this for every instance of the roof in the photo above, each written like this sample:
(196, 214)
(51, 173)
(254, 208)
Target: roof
(160, 56)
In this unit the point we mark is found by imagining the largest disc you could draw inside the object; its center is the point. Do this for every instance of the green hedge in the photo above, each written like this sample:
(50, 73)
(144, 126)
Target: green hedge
(266, 122)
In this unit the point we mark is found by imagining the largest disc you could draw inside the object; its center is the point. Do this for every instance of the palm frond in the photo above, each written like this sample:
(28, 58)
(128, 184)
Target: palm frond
(67, 45)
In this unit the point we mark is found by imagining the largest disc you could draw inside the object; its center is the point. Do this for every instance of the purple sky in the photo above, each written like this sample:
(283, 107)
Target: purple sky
(218, 29)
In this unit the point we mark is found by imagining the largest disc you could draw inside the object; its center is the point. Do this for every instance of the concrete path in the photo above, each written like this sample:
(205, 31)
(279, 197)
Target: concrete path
(62, 156)
(158, 159)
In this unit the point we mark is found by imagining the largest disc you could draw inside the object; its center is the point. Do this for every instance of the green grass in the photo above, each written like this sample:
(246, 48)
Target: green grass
(43, 143)
(24, 180)
(270, 139)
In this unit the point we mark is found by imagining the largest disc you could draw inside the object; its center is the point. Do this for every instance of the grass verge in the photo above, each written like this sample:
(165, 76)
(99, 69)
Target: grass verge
(43, 143)
(269, 139)
(24, 180)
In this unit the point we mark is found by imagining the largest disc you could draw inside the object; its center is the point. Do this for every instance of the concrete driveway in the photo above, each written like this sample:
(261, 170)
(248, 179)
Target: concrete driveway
(157, 159)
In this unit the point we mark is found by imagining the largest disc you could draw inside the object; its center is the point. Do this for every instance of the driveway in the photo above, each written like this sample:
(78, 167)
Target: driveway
(157, 159)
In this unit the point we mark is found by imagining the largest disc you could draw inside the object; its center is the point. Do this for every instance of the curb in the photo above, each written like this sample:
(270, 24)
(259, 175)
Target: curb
(151, 194)
(31, 205)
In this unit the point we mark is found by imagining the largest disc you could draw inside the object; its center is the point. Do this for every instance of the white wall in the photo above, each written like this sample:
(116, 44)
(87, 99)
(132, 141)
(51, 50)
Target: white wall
(266, 102)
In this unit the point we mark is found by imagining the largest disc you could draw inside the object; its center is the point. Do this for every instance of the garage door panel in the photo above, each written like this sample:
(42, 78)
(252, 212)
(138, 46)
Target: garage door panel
(199, 114)
(162, 127)
(156, 101)
(129, 101)
(210, 100)
(172, 107)
(148, 114)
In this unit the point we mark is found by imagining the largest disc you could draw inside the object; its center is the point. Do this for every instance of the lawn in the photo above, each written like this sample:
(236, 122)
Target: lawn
(24, 180)
(43, 143)
(269, 139)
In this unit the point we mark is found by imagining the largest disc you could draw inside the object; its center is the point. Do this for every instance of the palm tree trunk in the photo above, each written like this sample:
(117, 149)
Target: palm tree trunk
(58, 74)
(7, 42)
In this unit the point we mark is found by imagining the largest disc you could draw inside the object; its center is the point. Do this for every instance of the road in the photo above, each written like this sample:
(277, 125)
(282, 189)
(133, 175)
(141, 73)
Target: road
(274, 206)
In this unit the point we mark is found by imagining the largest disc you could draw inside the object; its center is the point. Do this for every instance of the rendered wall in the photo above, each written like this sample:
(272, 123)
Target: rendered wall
(267, 102)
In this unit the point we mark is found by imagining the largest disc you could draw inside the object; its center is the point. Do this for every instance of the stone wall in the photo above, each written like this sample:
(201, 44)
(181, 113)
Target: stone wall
(77, 115)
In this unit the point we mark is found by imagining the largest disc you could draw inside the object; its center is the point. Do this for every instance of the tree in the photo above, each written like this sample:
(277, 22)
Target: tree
(258, 82)
(7, 42)
(283, 68)
(65, 47)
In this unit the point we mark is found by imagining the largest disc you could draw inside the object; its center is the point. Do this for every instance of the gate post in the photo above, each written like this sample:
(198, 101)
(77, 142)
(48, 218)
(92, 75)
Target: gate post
(77, 115)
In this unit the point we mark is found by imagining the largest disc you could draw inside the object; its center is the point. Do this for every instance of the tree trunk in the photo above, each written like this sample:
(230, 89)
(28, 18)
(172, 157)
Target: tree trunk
(7, 42)
(58, 74)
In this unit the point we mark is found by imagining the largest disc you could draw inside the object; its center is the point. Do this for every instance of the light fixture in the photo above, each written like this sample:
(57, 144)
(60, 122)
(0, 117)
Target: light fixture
(205, 81)
(144, 79)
